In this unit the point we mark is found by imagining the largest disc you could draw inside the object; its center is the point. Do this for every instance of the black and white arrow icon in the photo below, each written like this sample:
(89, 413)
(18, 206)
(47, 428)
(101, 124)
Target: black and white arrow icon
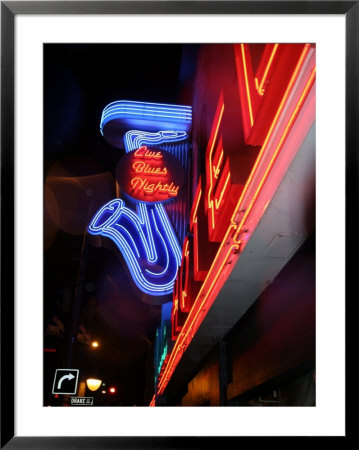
(69, 376)
(65, 381)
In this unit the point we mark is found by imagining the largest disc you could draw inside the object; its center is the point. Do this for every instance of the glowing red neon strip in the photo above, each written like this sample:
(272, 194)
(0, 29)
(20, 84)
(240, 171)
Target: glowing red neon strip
(277, 150)
(184, 291)
(232, 247)
(195, 249)
(196, 203)
(179, 345)
(153, 401)
(260, 87)
(247, 84)
(193, 221)
(274, 122)
(210, 202)
(175, 305)
(218, 202)
(217, 166)
(305, 91)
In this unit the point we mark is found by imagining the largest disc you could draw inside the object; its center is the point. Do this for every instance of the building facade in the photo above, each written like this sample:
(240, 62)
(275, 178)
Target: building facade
(242, 324)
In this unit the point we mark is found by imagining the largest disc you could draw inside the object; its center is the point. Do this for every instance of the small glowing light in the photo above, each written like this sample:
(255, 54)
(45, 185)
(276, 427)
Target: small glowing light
(104, 392)
(112, 390)
(93, 384)
(95, 344)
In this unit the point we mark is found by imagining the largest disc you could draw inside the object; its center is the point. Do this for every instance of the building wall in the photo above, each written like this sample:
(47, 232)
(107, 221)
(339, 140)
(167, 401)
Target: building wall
(203, 389)
(278, 333)
(242, 148)
(271, 348)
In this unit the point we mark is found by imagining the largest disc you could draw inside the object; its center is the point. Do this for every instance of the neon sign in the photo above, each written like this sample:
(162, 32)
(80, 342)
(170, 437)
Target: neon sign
(134, 138)
(229, 223)
(146, 241)
(142, 167)
(150, 175)
(144, 152)
(147, 115)
(143, 185)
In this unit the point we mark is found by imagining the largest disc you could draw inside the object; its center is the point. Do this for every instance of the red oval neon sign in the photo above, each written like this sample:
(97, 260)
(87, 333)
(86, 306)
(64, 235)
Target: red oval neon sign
(150, 175)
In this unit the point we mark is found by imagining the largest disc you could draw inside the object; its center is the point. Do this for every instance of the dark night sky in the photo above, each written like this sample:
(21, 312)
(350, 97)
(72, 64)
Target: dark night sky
(79, 81)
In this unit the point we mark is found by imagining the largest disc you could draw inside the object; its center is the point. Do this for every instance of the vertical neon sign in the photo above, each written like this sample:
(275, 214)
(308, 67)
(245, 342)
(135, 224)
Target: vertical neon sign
(144, 237)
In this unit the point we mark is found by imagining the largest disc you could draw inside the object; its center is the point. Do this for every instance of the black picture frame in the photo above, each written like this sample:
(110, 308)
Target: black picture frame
(9, 10)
